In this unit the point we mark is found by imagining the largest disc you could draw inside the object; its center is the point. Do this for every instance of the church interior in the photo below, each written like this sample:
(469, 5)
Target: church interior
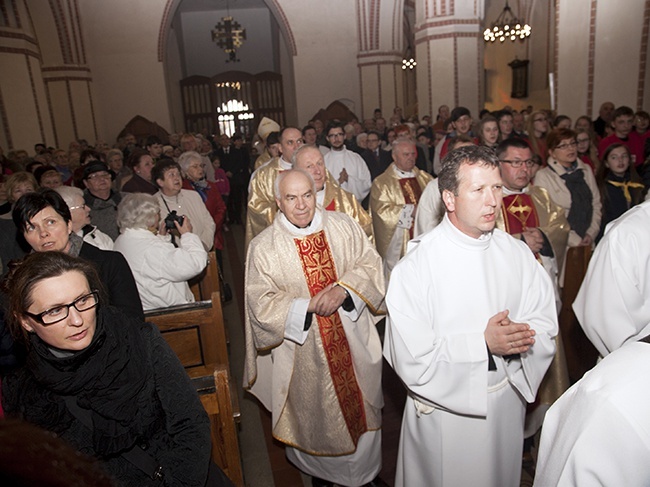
(85, 69)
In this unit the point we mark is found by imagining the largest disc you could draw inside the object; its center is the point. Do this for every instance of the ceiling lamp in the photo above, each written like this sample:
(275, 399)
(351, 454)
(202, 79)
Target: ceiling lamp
(507, 26)
(229, 35)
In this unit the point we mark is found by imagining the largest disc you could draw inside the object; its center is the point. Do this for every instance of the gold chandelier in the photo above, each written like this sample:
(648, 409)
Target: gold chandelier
(507, 26)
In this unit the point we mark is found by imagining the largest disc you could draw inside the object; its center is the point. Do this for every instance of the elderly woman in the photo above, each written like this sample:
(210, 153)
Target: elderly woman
(106, 382)
(141, 163)
(115, 161)
(572, 185)
(184, 202)
(80, 218)
(160, 269)
(45, 221)
(191, 164)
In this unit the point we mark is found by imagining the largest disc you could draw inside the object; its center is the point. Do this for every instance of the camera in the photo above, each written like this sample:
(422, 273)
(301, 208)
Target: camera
(171, 218)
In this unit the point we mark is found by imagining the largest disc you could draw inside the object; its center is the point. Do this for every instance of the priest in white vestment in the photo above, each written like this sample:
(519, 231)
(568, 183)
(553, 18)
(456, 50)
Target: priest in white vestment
(313, 355)
(613, 304)
(347, 167)
(598, 432)
(472, 319)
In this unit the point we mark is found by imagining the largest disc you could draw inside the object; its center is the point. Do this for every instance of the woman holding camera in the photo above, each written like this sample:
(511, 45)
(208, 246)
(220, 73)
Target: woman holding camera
(173, 198)
(161, 269)
(115, 392)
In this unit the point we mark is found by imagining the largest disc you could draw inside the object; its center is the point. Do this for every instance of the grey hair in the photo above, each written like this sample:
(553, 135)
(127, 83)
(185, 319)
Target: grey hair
(68, 193)
(137, 210)
(471, 154)
(186, 158)
(281, 177)
(402, 141)
(361, 136)
(300, 150)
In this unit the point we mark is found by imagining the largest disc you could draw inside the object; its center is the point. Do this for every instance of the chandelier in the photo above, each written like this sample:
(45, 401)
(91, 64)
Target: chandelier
(229, 35)
(507, 26)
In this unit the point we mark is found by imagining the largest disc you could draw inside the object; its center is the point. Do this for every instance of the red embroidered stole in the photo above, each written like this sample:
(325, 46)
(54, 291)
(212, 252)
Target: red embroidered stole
(519, 213)
(318, 267)
(412, 193)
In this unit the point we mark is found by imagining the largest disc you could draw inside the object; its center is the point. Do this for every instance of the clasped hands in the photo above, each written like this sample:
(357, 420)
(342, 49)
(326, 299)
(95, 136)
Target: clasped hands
(505, 337)
(327, 301)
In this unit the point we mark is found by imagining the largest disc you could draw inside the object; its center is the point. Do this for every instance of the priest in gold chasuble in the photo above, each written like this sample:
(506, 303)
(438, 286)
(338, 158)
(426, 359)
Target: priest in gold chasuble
(314, 289)
(329, 194)
(394, 197)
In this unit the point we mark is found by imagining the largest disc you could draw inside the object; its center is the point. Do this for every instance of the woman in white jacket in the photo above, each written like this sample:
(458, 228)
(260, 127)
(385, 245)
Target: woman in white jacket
(160, 268)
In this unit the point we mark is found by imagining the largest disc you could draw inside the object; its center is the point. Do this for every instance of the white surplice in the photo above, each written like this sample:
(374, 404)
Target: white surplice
(463, 425)
(359, 181)
(598, 432)
(613, 304)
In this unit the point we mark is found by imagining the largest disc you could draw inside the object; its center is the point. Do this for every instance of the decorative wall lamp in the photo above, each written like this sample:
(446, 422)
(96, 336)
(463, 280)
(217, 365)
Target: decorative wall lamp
(507, 26)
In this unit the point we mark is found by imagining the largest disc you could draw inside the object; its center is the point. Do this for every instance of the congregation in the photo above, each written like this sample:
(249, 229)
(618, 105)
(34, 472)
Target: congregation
(437, 244)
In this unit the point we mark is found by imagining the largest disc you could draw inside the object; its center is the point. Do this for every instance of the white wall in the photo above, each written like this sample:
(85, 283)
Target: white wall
(325, 67)
(121, 40)
(203, 56)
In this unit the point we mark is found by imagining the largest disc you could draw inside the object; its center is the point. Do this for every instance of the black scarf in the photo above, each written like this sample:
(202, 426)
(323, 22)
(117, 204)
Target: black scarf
(109, 378)
(582, 209)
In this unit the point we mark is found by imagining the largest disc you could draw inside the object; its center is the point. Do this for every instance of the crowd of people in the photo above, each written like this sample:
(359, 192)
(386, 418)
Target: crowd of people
(405, 222)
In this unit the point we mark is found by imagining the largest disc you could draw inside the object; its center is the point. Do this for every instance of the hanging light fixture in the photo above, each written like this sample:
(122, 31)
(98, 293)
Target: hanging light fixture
(229, 35)
(507, 26)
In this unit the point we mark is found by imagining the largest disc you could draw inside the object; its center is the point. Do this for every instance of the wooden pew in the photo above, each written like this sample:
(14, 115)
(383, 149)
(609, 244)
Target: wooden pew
(581, 355)
(213, 385)
(196, 333)
(207, 282)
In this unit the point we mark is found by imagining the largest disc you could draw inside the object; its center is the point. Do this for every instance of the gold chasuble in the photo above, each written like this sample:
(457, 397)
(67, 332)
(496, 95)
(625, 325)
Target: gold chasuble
(412, 193)
(388, 195)
(323, 392)
(338, 199)
(318, 267)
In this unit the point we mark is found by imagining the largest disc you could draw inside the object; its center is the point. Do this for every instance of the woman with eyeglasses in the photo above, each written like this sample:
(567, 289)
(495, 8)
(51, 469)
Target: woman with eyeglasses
(80, 218)
(588, 148)
(572, 185)
(117, 393)
(45, 221)
(620, 185)
(537, 128)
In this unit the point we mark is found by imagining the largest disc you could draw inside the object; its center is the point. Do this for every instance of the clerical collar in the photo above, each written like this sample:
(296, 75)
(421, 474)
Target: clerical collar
(508, 192)
(464, 240)
(403, 174)
(313, 227)
(284, 165)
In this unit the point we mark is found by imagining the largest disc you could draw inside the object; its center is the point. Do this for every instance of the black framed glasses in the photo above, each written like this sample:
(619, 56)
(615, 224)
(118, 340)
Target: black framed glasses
(61, 312)
(516, 164)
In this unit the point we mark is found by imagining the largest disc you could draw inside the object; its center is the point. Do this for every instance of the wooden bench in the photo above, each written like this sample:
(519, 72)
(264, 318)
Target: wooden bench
(214, 388)
(581, 355)
(207, 282)
(196, 333)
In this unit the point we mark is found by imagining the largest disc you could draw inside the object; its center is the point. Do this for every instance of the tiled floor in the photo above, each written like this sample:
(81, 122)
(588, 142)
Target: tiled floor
(263, 458)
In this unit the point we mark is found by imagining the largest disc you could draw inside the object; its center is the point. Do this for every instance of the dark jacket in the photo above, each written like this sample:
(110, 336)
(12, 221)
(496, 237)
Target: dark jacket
(136, 392)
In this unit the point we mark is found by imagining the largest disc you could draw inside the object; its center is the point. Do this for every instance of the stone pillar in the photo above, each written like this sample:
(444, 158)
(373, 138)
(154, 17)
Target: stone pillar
(380, 55)
(45, 87)
(449, 53)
